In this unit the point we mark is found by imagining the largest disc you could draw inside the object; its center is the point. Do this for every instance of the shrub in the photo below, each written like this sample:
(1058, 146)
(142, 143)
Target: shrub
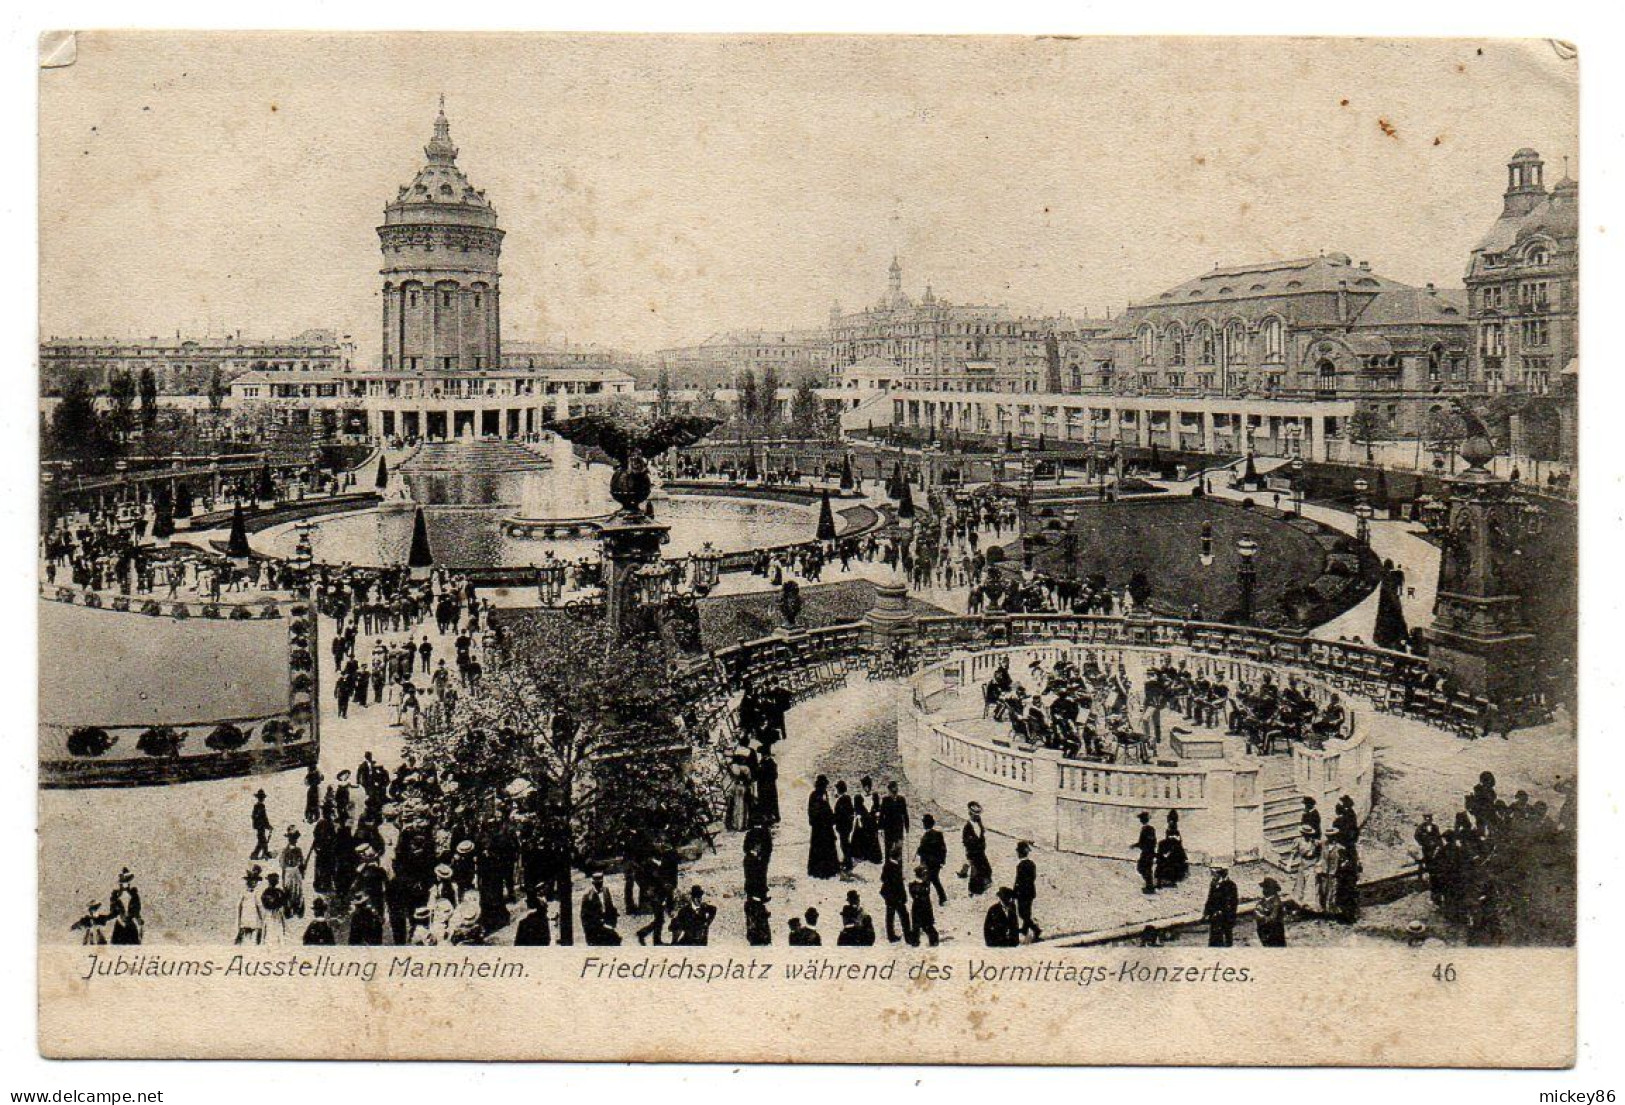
(300, 682)
(151, 608)
(182, 611)
(241, 613)
(274, 731)
(161, 740)
(90, 741)
(226, 737)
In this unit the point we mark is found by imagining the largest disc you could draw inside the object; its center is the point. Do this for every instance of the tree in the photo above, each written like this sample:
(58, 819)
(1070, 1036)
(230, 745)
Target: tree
(237, 542)
(581, 735)
(264, 487)
(163, 517)
(1139, 589)
(217, 391)
(847, 483)
(381, 481)
(1443, 433)
(826, 518)
(1390, 630)
(78, 431)
(663, 392)
(807, 410)
(420, 557)
(750, 401)
(183, 499)
(767, 412)
(147, 390)
(1366, 427)
(121, 394)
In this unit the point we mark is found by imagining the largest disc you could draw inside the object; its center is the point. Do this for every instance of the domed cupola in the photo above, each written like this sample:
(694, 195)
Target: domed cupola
(441, 245)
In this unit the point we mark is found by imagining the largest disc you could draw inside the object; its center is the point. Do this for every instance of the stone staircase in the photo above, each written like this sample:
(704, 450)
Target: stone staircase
(1283, 812)
(478, 456)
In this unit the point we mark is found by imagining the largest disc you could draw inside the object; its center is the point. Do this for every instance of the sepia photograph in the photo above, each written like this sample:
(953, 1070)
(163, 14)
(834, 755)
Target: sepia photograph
(970, 532)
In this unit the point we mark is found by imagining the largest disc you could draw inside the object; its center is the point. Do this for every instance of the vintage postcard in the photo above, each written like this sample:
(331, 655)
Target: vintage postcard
(981, 550)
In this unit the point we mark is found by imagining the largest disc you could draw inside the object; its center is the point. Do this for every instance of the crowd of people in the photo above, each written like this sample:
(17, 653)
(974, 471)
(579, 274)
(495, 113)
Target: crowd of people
(104, 550)
(1490, 857)
(404, 671)
(1092, 712)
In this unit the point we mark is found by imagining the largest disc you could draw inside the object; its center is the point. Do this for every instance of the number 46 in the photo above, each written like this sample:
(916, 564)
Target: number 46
(1444, 972)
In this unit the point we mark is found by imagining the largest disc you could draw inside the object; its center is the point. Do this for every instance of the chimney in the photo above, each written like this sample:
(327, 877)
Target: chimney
(1342, 301)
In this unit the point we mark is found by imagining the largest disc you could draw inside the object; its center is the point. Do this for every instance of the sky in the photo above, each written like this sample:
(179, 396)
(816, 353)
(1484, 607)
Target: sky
(658, 190)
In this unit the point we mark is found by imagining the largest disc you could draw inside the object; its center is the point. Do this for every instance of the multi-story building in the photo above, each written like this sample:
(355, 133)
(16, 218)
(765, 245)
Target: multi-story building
(721, 359)
(185, 365)
(1314, 328)
(1523, 284)
(942, 346)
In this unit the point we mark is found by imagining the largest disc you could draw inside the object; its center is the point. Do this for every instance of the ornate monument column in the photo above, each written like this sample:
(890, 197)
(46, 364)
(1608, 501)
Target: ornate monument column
(1479, 637)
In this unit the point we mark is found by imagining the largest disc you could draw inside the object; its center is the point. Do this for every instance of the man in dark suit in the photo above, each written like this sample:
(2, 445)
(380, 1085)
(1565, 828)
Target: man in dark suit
(598, 914)
(1147, 863)
(894, 819)
(921, 912)
(1220, 910)
(262, 828)
(805, 935)
(1026, 889)
(692, 924)
(933, 856)
(1001, 928)
(844, 816)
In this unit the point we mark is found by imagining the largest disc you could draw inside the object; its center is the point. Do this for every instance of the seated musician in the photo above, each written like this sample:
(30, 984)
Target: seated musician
(1329, 725)
(1038, 727)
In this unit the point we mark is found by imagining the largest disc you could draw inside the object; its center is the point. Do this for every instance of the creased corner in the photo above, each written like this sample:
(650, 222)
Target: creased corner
(58, 49)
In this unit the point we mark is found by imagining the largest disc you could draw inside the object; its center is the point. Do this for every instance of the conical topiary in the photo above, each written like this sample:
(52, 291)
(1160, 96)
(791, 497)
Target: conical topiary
(237, 542)
(905, 502)
(265, 490)
(183, 500)
(847, 483)
(163, 518)
(826, 518)
(1390, 630)
(383, 473)
(420, 556)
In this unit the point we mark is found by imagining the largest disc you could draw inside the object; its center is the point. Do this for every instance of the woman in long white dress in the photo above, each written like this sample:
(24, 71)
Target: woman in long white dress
(1306, 870)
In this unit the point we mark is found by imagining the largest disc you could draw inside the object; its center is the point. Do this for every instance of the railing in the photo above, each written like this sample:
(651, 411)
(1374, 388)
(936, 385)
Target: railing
(1136, 786)
(1361, 667)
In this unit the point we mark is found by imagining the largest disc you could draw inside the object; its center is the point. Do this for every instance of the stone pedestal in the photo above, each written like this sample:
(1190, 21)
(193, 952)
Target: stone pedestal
(631, 541)
(1479, 637)
(890, 618)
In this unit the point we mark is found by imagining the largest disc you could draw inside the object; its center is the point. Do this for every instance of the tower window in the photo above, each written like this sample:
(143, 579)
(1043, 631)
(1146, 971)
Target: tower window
(412, 299)
(445, 299)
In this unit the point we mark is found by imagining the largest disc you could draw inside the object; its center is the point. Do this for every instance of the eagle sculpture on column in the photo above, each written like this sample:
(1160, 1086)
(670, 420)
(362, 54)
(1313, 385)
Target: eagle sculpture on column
(631, 441)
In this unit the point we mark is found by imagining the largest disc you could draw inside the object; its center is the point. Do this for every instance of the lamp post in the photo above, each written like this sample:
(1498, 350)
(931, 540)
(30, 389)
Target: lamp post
(1297, 486)
(550, 575)
(705, 568)
(1247, 549)
(1069, 537)
(1362, 523)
